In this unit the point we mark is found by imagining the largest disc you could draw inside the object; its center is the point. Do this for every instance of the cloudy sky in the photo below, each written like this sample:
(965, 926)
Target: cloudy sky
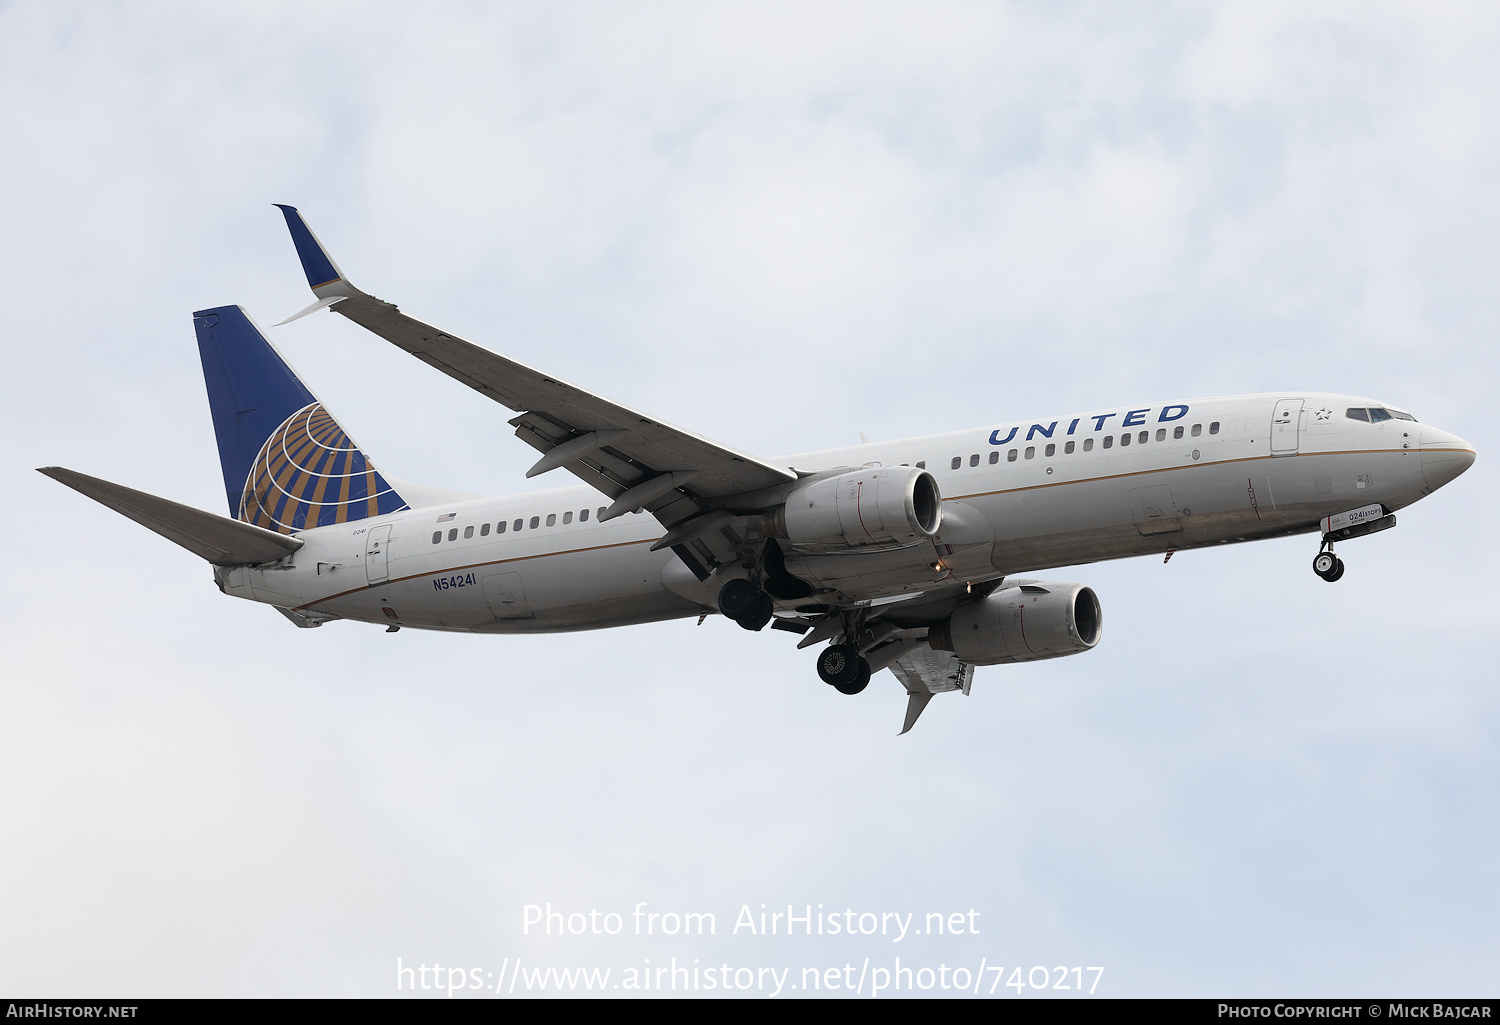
(780, 225)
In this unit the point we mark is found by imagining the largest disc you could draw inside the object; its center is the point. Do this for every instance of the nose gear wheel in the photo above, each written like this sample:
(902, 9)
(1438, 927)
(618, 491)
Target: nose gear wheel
(1328, 566)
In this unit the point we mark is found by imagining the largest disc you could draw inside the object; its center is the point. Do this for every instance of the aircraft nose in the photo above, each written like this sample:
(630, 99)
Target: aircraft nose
(1444, 456)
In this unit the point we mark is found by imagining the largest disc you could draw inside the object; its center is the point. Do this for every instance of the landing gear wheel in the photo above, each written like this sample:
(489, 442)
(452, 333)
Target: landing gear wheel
(1338, 571)
(738, 598)
(1324, 565)
(838, 665)
(757, 618)
(860, 681)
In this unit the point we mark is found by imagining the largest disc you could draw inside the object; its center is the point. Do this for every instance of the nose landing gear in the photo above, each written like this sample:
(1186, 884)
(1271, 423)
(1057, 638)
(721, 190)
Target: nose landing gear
(1328, 566)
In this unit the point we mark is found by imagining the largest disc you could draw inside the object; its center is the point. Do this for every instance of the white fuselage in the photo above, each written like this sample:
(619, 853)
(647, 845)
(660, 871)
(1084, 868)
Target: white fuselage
(452, 567)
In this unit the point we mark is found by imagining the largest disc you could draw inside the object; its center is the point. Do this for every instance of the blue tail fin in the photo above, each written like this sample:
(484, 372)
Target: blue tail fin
(287, 463)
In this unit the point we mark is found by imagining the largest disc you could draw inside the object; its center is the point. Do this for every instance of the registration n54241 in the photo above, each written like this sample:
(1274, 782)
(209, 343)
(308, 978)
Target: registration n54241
(456, 580)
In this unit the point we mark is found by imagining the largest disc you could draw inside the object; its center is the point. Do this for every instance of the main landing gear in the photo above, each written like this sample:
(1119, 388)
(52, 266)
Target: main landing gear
(746, 604)
(1327, 565)
(841, 667)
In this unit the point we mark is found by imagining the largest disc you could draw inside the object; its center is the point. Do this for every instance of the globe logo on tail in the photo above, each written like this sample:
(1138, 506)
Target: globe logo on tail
(309, 473)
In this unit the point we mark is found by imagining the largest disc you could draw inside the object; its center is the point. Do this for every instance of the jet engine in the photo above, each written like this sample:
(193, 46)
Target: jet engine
(864, 510)
(1022, 622)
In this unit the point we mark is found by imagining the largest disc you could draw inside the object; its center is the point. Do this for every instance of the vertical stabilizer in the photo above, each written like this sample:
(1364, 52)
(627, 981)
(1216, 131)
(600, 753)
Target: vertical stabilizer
(287, 463)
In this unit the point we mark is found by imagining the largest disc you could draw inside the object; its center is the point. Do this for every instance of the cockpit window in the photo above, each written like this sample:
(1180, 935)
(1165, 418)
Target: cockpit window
(1379, 414)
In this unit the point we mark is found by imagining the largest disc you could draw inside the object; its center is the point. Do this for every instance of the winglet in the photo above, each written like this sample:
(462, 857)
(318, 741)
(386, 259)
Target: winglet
(323, 275)
(321, 304)
(914, 706)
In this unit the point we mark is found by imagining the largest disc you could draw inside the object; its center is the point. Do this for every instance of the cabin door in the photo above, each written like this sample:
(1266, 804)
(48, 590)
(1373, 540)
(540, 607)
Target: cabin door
(1284, 425)
(377, 554)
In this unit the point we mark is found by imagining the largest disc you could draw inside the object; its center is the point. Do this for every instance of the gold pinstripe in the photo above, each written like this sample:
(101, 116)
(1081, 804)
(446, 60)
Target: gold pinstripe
(474, 565)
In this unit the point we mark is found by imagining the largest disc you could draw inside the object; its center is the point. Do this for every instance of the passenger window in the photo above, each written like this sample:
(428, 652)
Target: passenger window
(583, 516)
(500, 527)
(468, 532)
(1177, 433)
(1145, 437)
(1213, 428)
(1377, 415)
(994, 457)
(568, 517)
(517, 525)
(1109, 440)
(957, 462)
(1161, 433)
(535, 521)
(453, 534)
(484, 530)
(437, 535)
(552, 519)
(1124, 439)
(1051, 451)
(1010, 456)
(921, 464)
(974, 459)
(1197, 430)
(1030, 451)
(1088, 444)
(601, 511)
(1068, 449)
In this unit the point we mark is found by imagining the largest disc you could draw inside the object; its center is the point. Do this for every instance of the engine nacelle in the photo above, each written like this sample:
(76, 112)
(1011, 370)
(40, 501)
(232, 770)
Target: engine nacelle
(864, 510)
(1023, 622)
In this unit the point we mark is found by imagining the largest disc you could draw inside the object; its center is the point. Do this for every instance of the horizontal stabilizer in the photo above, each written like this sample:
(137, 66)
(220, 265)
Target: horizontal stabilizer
(220, 540)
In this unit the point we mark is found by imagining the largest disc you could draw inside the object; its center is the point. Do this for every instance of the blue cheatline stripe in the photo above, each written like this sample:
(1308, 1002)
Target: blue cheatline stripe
(315, 263)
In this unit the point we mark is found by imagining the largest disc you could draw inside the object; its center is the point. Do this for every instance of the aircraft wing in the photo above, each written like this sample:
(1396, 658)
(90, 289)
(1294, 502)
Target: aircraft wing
(925, 672)
(636, 459)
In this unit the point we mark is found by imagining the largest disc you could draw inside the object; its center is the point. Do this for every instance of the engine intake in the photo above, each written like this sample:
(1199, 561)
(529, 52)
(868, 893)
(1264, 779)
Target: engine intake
(1024, 622)
(874, 508)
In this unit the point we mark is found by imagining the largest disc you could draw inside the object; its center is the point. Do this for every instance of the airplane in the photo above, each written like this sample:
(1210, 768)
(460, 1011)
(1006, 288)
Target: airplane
(909, 555)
